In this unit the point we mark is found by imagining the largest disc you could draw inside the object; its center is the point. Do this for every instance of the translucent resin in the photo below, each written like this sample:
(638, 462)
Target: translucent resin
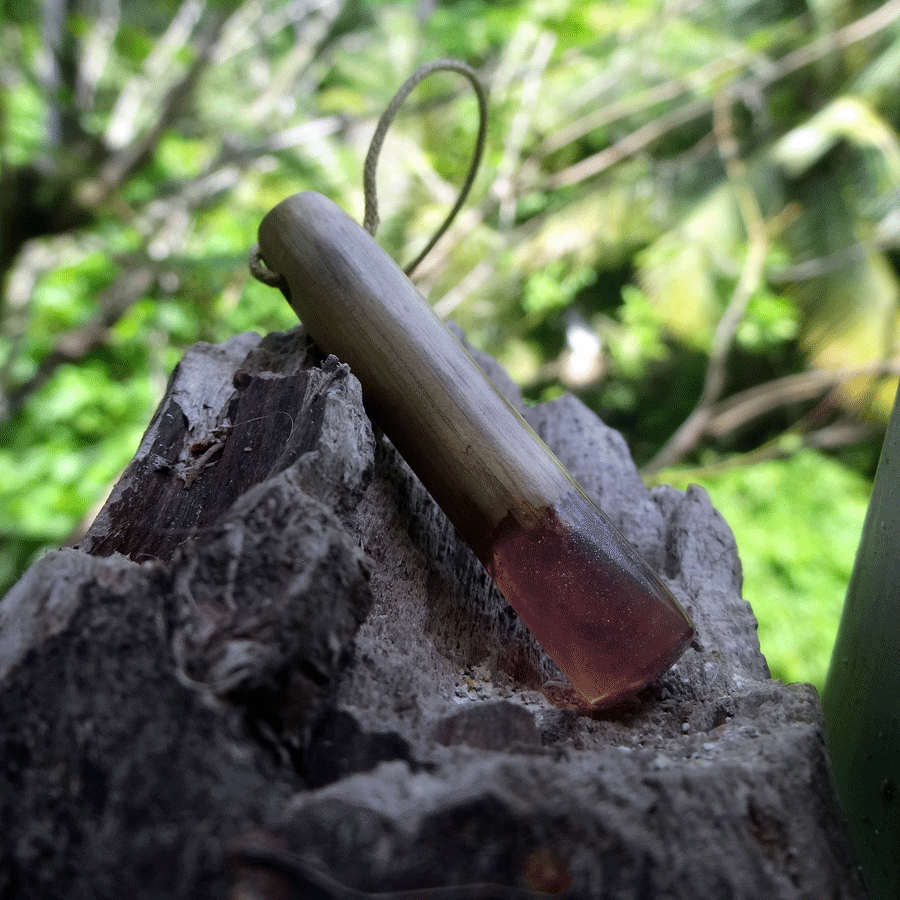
(599, 610)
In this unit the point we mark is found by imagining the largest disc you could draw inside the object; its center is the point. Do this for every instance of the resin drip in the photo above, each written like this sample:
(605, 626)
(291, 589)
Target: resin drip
(597, 608)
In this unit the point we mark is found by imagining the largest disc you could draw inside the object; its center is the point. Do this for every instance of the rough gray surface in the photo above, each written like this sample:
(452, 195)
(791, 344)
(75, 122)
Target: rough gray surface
(323, 679)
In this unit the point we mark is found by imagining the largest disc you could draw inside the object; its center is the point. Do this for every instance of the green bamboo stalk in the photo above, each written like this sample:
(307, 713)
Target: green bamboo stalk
(862, 692)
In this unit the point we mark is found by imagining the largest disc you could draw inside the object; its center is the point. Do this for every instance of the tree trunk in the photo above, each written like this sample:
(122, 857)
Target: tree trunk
(272, 669)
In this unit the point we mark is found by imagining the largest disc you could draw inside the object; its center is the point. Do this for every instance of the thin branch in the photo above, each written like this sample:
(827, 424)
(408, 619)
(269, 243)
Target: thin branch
(825, 265)
(95, 54)
(839, 434)
(829, 437)
(119, 167)
(316, 24)
(49, 67)
(628, 146)
(629, 106)
(740, 409)
(470, 284)
(35, 260)
(694, 427)
(647, 134)
(504, 182)
(136, 93)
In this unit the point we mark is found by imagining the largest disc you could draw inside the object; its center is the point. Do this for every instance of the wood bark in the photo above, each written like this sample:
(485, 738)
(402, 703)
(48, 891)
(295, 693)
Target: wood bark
(272, 669)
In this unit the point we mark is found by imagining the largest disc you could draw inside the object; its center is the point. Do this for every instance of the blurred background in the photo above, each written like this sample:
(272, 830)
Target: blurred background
(688, 215)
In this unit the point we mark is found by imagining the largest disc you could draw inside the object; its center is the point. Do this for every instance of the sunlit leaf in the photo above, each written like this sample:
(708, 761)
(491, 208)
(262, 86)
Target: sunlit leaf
(845, 119)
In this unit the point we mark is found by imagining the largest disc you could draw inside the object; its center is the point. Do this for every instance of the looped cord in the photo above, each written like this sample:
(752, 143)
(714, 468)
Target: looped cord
(259, 271)
(370, 220)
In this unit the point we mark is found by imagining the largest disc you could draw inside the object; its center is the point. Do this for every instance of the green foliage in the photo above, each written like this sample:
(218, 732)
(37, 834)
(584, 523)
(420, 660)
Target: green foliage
(796, 521)
(645, 253)
(61, 456)
(553, 288)
(771, 320)
(636, 342)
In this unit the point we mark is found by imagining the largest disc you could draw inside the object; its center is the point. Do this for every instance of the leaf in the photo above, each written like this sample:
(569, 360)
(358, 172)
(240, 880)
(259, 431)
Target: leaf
(863, 686)
(848, 119)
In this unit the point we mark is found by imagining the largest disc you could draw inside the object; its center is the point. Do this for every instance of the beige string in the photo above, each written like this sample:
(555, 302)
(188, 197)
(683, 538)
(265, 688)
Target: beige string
(370, 219)
(261, 272)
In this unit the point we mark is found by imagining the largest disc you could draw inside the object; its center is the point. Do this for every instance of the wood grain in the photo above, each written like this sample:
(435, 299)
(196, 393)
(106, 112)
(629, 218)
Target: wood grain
(476, 455)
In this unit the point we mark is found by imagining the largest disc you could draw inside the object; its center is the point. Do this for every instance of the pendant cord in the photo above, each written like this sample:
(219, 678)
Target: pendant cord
(370, 220)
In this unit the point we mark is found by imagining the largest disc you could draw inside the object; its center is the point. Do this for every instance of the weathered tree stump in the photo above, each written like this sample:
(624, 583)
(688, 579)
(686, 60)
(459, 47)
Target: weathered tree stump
(271, 669)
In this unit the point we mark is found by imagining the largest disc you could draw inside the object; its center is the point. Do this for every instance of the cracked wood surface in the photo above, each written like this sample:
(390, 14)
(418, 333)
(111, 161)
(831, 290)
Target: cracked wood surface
(295, 652)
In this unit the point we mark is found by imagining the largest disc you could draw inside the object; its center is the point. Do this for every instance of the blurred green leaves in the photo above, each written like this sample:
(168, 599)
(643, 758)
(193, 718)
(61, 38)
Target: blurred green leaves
(606, 237)
(635, 339)
(797, 556)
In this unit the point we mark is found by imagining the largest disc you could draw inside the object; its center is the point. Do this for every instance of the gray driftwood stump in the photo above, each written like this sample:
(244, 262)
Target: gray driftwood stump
(272, 670)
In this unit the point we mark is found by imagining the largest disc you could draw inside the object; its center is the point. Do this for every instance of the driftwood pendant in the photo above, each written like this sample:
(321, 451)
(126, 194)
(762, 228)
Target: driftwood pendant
(599, 610)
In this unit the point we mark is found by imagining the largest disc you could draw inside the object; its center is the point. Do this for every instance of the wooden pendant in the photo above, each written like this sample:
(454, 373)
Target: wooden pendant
(599, 610)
